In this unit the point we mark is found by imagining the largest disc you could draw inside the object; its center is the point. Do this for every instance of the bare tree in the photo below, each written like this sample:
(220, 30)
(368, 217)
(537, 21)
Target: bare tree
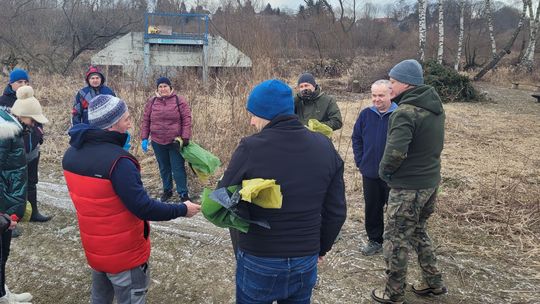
(440, 52)
(527, 61)
(489, 15)
(460, 35)
(507, 49)
(422, 9)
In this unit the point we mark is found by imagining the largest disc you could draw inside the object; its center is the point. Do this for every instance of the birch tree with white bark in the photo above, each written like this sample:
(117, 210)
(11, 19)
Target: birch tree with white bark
(422, 8)
(489, 15)
(527, 62)
(440, 52)
(461, 31)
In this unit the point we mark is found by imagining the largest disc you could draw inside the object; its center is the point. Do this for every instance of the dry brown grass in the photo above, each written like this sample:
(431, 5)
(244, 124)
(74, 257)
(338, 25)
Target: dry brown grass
(488, 218)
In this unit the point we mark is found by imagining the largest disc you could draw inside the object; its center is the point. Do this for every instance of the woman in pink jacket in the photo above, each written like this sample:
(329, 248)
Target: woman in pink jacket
(167, 116)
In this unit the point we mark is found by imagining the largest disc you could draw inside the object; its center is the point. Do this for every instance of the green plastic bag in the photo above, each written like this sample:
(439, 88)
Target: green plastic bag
(27, 212)
(264, 193)
(201, 161)
(317, 126)
(219, 215)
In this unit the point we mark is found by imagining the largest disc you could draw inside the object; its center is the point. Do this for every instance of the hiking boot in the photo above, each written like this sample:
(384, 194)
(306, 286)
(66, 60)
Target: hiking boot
(165, 196)
(372, 248)
(38, 217)
(184, 198)
(423, 289)
(380, 296)
(18, 297)
(16, 232)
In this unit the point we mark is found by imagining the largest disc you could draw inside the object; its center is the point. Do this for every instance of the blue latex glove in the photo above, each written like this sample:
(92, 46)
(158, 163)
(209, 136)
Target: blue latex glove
(127, 145)
(144, 145)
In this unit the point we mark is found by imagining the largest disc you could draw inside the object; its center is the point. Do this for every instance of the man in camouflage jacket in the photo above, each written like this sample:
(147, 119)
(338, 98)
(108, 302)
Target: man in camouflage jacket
(411, 166)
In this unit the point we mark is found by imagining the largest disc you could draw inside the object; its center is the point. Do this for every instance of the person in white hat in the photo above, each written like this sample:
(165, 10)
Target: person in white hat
(13, 176)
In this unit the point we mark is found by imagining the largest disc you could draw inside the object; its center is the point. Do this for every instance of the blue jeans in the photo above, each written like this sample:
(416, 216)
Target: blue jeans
(264, 280)
(171, 164)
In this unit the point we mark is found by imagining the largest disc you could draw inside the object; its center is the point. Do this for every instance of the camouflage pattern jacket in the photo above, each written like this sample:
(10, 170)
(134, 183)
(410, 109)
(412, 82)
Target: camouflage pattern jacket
(412, 156)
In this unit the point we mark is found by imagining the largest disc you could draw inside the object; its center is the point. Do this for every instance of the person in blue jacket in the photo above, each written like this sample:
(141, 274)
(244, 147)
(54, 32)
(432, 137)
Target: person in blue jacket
(95, 81)
(368, 142)
(280, 263)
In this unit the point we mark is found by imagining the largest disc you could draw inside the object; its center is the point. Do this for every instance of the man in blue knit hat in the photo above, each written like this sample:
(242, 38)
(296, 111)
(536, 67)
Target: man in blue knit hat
(411, 166)
(280, 263)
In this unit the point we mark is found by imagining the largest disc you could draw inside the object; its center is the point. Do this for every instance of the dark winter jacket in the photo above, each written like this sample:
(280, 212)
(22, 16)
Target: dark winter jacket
(310, 173)
(369, 139)
(79, 112)
(112, 206)
(33, 136)
(13, 174)
(166, 118)
(321, 107)
(412, 157)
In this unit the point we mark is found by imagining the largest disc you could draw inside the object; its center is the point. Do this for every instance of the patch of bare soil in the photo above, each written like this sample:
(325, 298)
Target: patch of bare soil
(486, 228)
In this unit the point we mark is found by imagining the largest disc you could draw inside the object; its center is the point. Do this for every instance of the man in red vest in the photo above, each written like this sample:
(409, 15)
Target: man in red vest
(112, 206)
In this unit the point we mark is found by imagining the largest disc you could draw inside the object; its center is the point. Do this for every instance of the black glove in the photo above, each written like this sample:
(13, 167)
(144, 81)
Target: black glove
(5, 221)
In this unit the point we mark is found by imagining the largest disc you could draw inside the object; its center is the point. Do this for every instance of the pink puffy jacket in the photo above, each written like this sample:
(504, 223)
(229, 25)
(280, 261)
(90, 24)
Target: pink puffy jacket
(166, 118)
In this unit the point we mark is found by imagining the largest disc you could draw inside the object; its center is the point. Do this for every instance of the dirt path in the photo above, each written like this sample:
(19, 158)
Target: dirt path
(192, 260)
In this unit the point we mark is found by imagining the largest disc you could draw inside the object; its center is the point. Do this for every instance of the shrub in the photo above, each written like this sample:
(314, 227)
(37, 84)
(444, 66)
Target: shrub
(450, 85)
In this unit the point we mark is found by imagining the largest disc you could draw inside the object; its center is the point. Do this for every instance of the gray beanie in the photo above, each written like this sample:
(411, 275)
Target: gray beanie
(307, 78)
(105, 110)
(408, 71)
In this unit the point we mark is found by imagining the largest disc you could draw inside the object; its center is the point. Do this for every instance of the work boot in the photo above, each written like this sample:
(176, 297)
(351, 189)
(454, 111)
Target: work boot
(371, 248)
(18, 297)
(165, 196)
(380, 296)
(16, 232)
(423, 289)
(36, 216)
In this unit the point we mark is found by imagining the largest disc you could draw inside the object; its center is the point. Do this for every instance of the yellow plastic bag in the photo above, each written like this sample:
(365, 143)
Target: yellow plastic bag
(317, 126)
(264, 193)
(27, 212)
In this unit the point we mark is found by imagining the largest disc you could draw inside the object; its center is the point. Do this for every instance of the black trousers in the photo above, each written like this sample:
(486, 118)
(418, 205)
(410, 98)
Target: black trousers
(32, 180)
(4, 253)
(375, 196)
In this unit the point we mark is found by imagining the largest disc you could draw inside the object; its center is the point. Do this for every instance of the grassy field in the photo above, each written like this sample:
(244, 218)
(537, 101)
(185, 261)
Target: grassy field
(486, 228)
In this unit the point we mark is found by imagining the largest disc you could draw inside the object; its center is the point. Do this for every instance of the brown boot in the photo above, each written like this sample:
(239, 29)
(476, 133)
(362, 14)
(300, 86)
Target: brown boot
(380, 296)
(423, 289)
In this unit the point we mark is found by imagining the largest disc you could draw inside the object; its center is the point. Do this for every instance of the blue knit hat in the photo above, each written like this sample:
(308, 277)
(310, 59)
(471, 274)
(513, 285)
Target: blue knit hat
(163, 80)
(18, 74)
(271, 98)
(307, 78)
(105, 110)
(408, 71)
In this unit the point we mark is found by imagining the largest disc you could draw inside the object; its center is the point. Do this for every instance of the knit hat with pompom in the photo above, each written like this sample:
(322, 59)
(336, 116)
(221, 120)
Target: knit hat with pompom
(27, 105)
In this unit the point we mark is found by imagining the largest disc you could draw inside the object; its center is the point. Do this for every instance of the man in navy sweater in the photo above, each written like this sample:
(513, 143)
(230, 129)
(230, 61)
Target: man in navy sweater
(280, 263)
(112, 205)
(368, 141)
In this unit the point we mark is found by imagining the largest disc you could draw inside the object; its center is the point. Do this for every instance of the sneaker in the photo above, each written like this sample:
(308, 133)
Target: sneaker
(18, 297)
(165, 196)
(372, 248)
(423, 289)
(380, 296)
(10, 300)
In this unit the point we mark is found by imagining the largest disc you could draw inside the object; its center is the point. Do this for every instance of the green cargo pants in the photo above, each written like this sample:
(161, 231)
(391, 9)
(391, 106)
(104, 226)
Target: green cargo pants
(407, 214)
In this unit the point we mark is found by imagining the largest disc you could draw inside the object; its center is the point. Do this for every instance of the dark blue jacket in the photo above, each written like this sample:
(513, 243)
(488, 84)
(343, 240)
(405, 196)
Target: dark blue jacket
(369, 139)
(33, 136)
(124, 175)
(79, 112)
(310, 173)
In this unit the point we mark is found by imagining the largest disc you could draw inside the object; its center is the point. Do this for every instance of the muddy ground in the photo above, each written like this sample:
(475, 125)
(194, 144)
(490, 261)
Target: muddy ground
(192, 261)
